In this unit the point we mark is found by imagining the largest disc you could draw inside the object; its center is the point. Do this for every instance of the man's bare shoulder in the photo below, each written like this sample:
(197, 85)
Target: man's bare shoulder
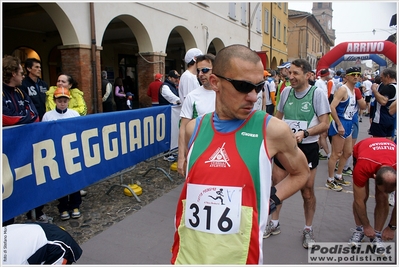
(278, 135)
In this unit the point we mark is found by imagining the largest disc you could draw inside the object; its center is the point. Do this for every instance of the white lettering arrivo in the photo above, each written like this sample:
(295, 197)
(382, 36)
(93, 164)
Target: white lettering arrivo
(365, 47)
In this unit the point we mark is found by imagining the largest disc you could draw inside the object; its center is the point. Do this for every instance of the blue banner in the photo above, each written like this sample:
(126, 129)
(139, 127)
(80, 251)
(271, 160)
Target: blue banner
(47, 160)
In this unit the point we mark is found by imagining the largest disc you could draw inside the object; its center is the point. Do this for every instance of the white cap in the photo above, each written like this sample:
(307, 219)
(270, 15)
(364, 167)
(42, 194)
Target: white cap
(191, 54)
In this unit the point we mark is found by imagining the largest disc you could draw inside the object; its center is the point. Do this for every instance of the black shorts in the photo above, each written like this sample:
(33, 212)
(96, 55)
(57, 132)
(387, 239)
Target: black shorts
(311, 152)
(270, 109)
(368, 98)
(381, 130)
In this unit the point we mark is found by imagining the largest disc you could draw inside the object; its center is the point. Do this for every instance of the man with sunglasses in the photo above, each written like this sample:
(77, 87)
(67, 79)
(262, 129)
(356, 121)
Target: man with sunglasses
(305, 109)
(230, 151)
(197, 103)
(343, 110)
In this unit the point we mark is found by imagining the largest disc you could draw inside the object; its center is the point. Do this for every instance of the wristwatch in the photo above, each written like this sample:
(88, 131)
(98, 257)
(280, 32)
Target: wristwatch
(393, 227)
(305, 133)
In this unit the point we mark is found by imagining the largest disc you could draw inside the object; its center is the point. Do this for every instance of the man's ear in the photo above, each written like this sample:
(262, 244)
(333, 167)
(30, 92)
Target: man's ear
(214, 82)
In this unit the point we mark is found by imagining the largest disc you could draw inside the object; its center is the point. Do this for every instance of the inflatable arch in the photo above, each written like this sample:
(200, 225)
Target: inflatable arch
(373, 47)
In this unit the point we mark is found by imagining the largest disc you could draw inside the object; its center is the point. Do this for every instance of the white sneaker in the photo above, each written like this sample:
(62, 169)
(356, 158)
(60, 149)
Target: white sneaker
(83, 193)
(356, 239)
(44, 219)
(169, 158)
(380, 247)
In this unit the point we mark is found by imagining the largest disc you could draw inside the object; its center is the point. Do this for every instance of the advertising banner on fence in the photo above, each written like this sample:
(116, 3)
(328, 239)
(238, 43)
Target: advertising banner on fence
(47, 160)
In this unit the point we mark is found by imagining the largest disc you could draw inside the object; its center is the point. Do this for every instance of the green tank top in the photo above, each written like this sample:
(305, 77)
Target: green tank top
(299, 112)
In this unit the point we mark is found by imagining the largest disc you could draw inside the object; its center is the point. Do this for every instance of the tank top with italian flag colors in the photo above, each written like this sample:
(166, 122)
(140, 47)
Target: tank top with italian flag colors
(223, 208)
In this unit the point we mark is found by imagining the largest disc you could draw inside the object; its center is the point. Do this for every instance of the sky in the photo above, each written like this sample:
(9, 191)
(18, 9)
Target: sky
(355, 20)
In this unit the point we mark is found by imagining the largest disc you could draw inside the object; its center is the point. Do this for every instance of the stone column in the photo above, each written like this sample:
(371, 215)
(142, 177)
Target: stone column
(148, 64)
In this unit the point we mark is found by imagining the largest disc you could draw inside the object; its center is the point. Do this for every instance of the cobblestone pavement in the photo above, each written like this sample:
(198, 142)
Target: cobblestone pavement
(100, 211)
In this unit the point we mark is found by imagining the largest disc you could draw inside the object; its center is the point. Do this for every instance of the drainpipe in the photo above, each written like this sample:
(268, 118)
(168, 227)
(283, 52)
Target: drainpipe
(271, 34)
(249, 26)
(93, 58)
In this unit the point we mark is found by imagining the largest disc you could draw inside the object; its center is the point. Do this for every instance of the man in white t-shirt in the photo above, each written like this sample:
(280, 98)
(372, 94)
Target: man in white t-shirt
(197, 103)
(322, 81)
(322, 84)
(270, 93)
(188, 80)
(367, 93)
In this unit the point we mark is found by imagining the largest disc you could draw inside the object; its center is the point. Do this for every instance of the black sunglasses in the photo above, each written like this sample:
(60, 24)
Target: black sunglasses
(204, 70)
(244, 86)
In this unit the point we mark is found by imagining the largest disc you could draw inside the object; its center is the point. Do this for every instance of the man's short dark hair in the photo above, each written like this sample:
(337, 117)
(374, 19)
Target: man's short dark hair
(303, 64)
(389, 72)
(209, 57)
(223, 62)
(189, 64)
(29, 63)
(339, 73)
(10, 65)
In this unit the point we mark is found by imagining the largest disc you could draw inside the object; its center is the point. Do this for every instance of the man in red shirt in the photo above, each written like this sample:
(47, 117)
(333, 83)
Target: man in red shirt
(153, 89)
(373, 158)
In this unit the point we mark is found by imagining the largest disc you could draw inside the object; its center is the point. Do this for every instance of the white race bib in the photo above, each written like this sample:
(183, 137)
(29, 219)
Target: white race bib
(297, 125)
(213, 209)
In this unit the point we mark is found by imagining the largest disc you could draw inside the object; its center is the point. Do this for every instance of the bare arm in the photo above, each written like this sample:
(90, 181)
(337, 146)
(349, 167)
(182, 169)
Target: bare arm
(387, 233)
(182, 155)
(360, 210)
(383, 100)
(392, 108)
(282, 144)
(360, 100)
(339, 95)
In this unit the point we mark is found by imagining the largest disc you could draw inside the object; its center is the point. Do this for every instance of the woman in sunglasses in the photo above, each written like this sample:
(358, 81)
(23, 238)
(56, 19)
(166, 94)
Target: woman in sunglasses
(227, 192)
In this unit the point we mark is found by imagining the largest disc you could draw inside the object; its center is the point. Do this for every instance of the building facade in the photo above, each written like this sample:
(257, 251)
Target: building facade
(275, 25)
(131, 40)
(307, 38)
